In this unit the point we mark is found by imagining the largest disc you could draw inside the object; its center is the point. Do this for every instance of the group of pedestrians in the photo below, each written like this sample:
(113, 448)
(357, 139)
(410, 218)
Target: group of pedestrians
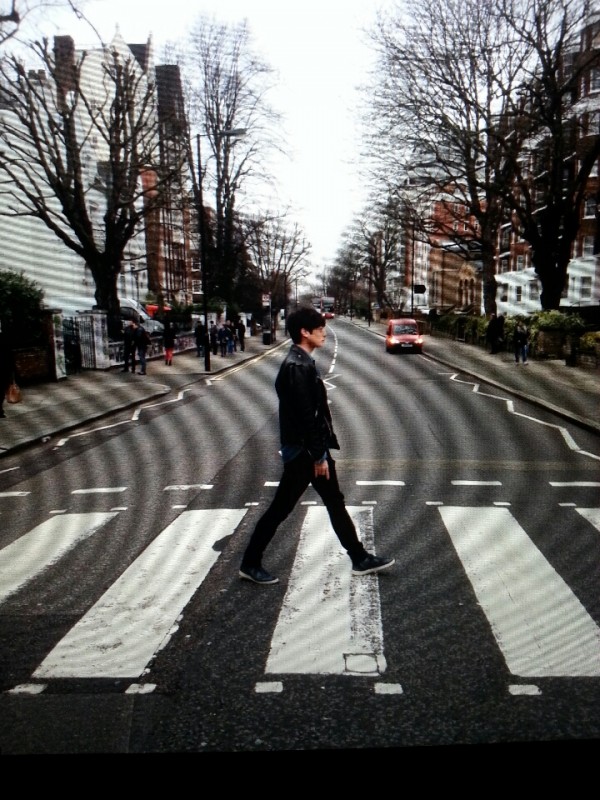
(135, 345)
(227, 337)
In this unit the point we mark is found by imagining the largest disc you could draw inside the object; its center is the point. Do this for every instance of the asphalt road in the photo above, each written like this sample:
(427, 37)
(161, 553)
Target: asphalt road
(126, 629)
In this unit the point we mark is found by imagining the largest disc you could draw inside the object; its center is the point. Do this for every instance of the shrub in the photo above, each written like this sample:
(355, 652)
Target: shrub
(21, 311)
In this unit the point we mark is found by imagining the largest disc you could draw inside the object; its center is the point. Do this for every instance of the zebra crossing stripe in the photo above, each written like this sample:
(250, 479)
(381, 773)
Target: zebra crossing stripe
(43, 546)
(540, 626)
(592, 515)
(134, 619)
(330, 622)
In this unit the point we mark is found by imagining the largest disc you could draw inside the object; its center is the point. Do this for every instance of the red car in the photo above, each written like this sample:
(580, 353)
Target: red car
(403, 336)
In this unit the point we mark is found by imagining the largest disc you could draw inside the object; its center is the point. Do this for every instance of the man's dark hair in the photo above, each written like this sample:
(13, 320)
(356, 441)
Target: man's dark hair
(304, 317)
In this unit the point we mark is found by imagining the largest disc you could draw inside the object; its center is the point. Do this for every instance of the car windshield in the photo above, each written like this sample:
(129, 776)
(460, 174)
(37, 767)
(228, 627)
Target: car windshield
(404, 329)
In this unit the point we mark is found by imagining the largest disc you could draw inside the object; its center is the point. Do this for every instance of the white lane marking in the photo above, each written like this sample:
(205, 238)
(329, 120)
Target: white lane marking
(101, 490)
(28, 688)
(540, 626)
(584, 484)
(592, 515)
(388, 688)
(137, 615)
(476, 483)
(43, 546)
(14, 494)
(184, 487)
(9, 469)
(570, 442)
(330, 621)
(524, 689)
(380, 483)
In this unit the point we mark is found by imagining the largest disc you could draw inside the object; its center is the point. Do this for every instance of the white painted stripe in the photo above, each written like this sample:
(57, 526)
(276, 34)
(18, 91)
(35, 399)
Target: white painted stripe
(183, 487)
(136, 616)
(591, 484)
(476, 483)
(271, 483)
(330, 622)
(388, 688)
(524, 689)
(101, 490)
(14, 494)
(268, 687)
(43, 546)
(540, 626)
(592, 515)
(380, 483)
(28, 688)
(140, 688)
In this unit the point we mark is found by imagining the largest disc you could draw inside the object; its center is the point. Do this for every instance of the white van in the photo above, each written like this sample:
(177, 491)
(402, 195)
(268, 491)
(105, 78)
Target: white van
(132, 310)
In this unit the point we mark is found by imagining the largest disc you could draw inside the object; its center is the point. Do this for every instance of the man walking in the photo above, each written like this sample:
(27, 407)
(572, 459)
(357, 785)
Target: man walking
(307, 436)
(129, 346)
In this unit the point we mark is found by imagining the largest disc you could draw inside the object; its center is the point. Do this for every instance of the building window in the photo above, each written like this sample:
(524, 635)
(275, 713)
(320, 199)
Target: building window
(587, 246)
(504, 292)
(520, 262)
(595, 79)
(586, 288)
(589, 208)
(518, 294)
(196, 287)
(534, 290)
(505, 239)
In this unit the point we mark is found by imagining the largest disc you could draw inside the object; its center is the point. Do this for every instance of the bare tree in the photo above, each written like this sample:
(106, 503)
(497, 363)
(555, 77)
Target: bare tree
(279, 253)
(228, 87)
(551, 139)
(464, 90)
(59, 118)
(447, 67)
(14, 12)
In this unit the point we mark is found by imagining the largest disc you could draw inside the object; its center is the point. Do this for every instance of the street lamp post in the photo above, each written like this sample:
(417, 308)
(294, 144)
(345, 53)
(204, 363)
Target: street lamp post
(228, 133)
(202, 232)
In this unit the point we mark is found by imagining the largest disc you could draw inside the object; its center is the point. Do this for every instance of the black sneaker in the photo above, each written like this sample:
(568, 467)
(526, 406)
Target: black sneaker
(371, 564)
(257, 575)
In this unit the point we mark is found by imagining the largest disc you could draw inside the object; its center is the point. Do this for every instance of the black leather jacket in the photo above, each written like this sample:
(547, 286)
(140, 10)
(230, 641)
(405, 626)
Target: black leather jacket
(304, 415)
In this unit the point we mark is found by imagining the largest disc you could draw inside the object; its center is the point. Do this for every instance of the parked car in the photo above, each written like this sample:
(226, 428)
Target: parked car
(403, 335)
(328, 315)
(130, 310)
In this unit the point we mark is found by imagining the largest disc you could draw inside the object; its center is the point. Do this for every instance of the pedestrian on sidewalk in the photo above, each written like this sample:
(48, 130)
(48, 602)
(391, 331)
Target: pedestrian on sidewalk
(142, 340)
(521, 342)
(223, 339)
(307, 438)
(7, 369)
(129, 346)
(214, 338)
(241, 334)
(169, 342)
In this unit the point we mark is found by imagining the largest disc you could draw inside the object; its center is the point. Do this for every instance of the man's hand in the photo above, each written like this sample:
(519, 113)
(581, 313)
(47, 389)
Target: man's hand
(322, 469)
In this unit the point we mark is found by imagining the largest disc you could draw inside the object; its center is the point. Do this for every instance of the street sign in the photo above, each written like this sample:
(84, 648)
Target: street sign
(266, 299)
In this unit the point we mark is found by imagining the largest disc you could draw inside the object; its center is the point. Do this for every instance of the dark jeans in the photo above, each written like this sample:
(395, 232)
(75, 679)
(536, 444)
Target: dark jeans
(297, 475)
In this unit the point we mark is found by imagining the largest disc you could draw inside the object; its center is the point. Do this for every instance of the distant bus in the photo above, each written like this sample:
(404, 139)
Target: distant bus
(324, 304)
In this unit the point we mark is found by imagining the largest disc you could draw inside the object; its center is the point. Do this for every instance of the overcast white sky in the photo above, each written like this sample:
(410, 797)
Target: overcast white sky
(320, 52)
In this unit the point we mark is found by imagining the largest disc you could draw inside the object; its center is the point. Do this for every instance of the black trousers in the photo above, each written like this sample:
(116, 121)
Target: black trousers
(297, 475)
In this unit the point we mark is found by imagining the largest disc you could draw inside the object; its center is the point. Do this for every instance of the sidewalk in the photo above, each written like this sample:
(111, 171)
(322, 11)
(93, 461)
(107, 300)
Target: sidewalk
(50, 409)
(571, 392)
